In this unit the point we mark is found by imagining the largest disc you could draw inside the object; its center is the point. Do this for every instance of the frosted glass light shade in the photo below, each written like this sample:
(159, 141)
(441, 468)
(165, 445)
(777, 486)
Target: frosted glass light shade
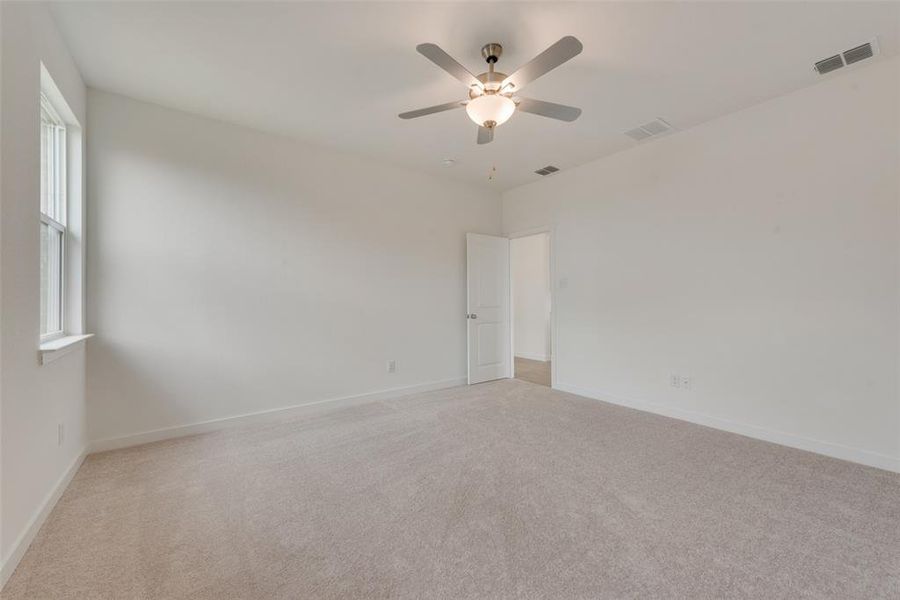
(490, 107)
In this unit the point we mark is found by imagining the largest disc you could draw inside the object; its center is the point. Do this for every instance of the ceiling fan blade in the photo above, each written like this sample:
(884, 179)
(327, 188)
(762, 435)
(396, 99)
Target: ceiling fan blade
(431, 110)
(485, 135)
(549, 109)
(434, 53)
(563, 50)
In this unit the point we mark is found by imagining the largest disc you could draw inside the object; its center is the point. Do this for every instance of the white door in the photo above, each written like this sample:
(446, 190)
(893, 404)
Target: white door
(487, 316)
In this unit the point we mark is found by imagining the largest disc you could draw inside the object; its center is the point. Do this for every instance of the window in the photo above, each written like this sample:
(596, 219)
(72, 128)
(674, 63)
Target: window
(61, 225)
(53, 221)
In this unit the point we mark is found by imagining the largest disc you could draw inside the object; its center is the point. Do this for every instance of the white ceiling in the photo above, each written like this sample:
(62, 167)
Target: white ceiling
(337, 74)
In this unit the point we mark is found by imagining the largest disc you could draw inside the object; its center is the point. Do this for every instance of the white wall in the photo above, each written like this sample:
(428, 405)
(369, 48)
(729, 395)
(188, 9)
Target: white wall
(233, 272)
(35, 399)
(530, 267)
(757, 254)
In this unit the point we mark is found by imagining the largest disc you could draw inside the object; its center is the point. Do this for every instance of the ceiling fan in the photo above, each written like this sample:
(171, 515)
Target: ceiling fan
(494, 96)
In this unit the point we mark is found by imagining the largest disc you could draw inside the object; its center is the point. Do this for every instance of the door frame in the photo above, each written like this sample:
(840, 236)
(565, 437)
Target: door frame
(553, 306)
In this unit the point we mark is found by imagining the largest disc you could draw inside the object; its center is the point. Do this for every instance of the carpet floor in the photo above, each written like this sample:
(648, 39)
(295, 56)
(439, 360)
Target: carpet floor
(500, 490)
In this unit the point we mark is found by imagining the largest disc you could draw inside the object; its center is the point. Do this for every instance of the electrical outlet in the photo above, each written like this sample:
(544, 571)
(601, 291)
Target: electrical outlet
(392, 366)
(60, 434)
(682, 382)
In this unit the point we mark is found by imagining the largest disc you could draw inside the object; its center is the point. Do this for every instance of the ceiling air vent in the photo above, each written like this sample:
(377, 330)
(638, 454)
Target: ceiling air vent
(638, 134)
(859, 53)
(848, 57)
(548, 170)
(829, 64)
(648, 130)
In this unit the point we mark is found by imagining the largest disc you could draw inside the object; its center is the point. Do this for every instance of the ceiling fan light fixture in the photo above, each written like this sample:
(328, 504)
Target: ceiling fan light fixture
(490, 107)
(490, 94)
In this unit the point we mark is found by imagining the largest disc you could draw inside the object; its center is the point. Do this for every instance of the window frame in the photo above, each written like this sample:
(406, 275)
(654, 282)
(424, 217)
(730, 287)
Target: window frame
(58, 205)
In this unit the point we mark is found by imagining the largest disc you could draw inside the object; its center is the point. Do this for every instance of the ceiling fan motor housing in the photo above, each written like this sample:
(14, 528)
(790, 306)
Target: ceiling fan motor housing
(491, 81)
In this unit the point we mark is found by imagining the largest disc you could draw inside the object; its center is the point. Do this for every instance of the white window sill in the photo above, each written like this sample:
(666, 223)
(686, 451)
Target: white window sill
(50, 351)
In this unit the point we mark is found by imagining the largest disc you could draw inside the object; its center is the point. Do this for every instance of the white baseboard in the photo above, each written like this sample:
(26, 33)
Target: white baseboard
(864, 457)
(529, 356)
(37, 520)
(274, 414)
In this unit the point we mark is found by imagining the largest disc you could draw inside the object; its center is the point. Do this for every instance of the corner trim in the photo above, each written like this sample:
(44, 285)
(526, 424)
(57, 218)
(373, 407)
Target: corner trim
(165, 433)
(848, 453)
(37, 520)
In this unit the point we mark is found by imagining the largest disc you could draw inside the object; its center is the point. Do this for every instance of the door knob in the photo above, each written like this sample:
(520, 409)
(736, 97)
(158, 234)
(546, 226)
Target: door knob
(472, 316)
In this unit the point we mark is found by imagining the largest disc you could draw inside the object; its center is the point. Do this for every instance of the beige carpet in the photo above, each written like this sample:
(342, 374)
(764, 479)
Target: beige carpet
(533, 371)
(502, 490)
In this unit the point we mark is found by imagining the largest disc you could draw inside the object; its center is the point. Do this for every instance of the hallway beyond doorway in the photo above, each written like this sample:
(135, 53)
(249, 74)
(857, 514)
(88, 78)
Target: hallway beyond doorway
(531, 307)
(533, 371)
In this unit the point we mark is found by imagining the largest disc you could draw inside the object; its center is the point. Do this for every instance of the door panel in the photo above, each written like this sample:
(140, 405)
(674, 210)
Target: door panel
(487, 259)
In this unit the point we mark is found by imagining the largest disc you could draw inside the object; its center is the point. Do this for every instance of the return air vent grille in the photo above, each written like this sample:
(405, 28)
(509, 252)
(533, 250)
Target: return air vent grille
(548, 170)
(848, 57)
(648, 130)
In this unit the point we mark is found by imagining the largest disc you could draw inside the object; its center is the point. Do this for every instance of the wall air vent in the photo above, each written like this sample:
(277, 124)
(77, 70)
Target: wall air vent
(548, 170)
(654, 128)
(848, 57)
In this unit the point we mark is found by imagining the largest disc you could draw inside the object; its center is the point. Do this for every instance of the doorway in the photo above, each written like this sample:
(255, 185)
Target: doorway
(531, 308)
